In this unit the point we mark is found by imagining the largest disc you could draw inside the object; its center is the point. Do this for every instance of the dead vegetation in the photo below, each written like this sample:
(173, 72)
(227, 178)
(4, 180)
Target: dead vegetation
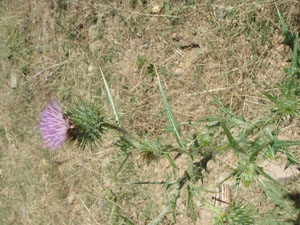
(53, 49)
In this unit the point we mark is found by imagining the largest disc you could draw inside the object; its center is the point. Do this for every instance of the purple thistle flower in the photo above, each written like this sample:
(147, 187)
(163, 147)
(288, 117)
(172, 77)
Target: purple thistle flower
(54, 125)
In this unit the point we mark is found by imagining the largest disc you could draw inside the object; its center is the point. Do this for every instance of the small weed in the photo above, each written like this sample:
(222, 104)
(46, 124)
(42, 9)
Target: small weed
(141, 61)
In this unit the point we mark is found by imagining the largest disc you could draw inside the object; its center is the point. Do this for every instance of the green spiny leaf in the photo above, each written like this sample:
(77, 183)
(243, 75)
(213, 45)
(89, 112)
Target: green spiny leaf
(260, 171)
(277, 195)
(291, 159)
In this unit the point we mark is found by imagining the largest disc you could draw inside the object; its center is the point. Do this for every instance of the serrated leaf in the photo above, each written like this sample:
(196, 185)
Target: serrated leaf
(291, 159)
(200, 166)
(289, 38)
(260, 171)
(271, 218)
(171, 206)
(285, 143)
(278, 196)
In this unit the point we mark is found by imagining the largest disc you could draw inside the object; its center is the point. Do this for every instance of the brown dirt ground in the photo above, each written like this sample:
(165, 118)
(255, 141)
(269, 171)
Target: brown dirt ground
(236, 58)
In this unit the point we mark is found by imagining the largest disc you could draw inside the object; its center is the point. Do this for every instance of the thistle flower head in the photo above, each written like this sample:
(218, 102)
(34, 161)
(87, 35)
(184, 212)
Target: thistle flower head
(54, 125)
(87, 122)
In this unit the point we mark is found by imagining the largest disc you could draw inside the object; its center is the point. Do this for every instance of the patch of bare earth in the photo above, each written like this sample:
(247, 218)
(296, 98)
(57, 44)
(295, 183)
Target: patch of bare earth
(193, 50)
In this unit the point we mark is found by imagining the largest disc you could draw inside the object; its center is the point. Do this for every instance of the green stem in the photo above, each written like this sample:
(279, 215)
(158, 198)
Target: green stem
(120, 167)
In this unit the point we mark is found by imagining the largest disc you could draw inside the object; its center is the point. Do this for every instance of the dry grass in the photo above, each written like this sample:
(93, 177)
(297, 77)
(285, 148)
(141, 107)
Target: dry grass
(237, 58)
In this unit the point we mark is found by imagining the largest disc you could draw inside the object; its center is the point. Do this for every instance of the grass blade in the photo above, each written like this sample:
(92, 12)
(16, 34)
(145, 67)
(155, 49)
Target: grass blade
(174, 125)
(270, 97)
(110, 98)
(293, 69)
(289, 39)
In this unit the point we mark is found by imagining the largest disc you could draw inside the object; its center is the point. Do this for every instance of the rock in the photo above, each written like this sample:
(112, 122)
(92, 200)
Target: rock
(39, 49)
(177, 37)
(95, 47)
(184, 42)
(91, 68)
(146, 46)
(156, 8)
(70, 199)
(13, 79)
(221, 12)
(93, 32)
(178, 71)
(101, 204)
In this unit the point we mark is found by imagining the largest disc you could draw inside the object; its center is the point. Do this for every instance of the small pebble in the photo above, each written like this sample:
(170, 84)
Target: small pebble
(178, 72)
(95, 47)
(13, 80)
(70, 199)
(91, 68)
(156, 8)
(221, 12)
(146, 46)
